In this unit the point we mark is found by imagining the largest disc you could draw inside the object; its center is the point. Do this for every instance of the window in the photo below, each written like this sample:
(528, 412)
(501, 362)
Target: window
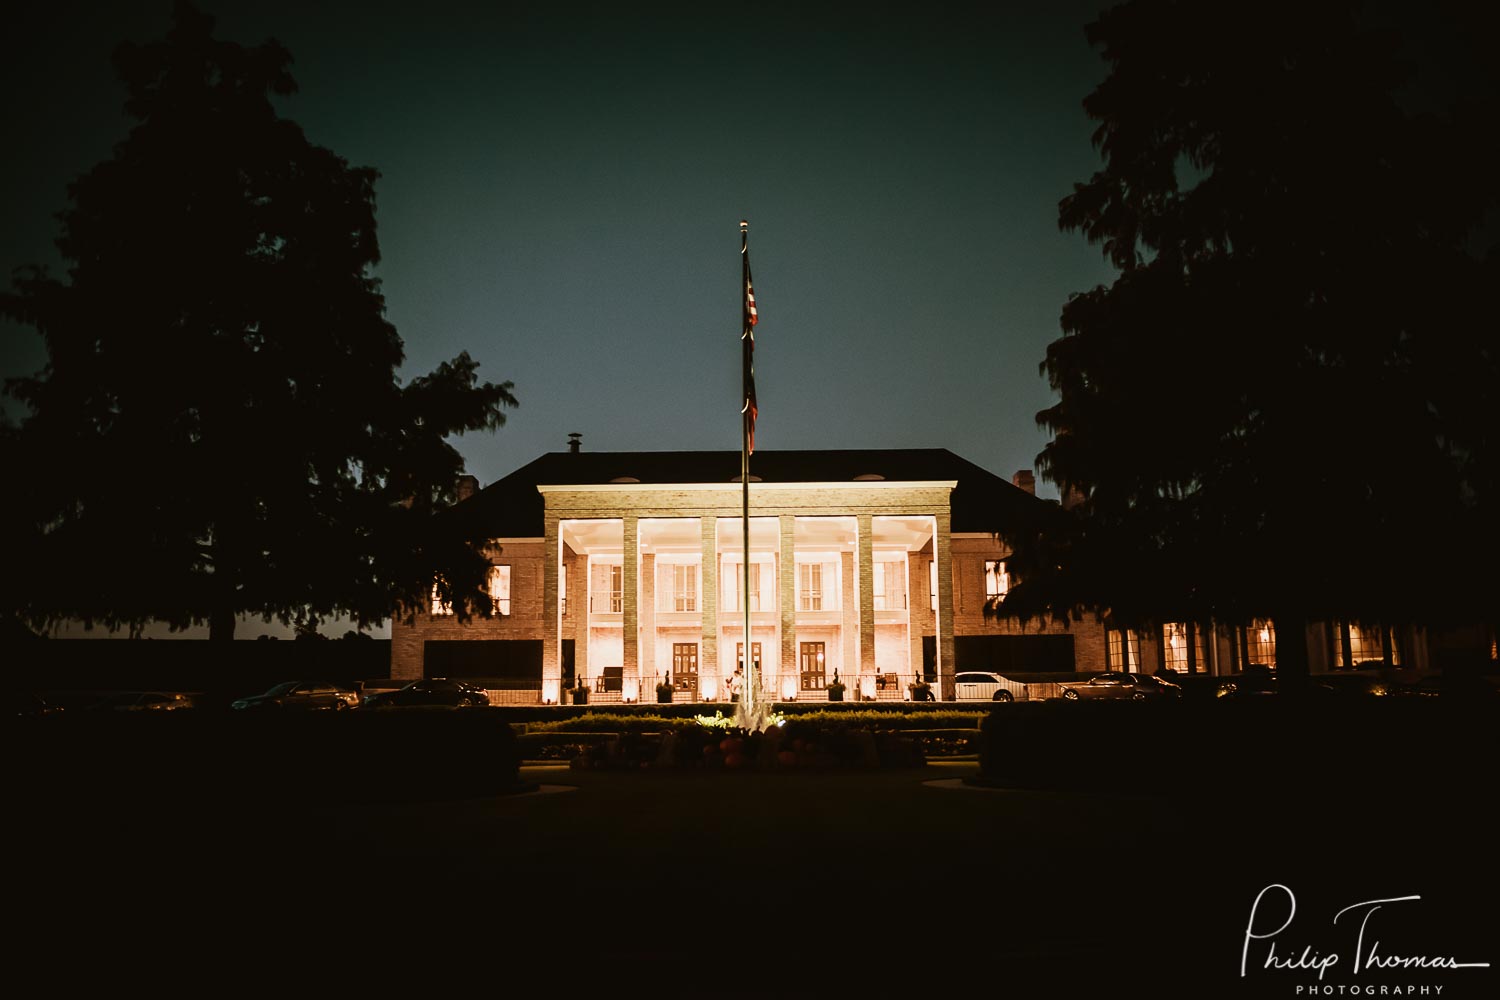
(1182, 648)
(1361, 646)
(1123, 651)
(932, 582)
(499, 584)
(890, 594)
(562, 587)
(810, 585)
(1258, 643)
(440, 606)
(606, 587)
(996, 581)
(682, 588)
(734, 586)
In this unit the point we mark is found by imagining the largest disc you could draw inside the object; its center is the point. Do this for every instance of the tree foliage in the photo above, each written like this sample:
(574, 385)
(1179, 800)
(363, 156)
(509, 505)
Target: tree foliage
(1284, 403)
(219, 429)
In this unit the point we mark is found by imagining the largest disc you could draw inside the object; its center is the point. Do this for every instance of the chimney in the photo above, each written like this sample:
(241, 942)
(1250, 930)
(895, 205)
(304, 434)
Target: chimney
(1023, 479)
(575, 442)
(466, 487)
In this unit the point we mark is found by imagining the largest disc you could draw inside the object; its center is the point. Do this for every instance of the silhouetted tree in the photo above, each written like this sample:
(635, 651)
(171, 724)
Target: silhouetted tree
(219, 429)
(1284, 404)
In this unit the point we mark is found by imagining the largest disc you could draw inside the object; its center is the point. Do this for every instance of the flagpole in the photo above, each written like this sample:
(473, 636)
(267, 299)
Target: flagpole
(747, 697)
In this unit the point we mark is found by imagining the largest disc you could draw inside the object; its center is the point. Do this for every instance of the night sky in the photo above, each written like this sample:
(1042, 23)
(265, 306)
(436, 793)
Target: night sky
(561, 192)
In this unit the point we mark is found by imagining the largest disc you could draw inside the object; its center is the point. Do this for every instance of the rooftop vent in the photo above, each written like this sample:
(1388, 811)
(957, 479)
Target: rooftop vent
(870, 477)
(624, 479)
(575, 442)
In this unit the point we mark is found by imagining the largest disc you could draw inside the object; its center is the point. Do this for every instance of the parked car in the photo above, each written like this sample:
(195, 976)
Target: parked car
(144, 701)
(1155, 685)
(1261, 682)
(316, 695)
(1445, 686)
(972, 685)
(28, 705)
(1355, 685)
(1117, 685)
(432, 691)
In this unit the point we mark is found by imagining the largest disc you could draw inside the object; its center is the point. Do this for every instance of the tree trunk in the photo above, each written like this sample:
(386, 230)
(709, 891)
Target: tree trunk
(221, 614)
(221, 624)
(1292, 668)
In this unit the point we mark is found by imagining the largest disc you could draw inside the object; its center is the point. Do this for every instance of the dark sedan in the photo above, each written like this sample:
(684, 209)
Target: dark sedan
(1113, 685)
(316, 695)
(28, 705)
(145, 701)
(1262, 684)
(1455, 686)
(434, 691)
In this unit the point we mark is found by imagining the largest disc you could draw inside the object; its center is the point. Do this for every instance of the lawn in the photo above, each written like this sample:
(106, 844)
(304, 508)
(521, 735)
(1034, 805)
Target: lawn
(717, 884)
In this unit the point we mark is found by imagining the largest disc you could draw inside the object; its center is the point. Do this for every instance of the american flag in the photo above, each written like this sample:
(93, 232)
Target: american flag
(747, 336)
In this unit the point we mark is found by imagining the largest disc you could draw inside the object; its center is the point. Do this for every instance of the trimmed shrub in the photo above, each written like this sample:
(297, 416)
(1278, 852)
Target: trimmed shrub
(186, 756)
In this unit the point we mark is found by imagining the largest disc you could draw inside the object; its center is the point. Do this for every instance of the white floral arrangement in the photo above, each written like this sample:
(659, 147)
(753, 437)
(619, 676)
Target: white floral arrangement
(719, 721)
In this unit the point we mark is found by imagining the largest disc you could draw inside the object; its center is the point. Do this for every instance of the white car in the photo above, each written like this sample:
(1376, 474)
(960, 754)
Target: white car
(970, 685)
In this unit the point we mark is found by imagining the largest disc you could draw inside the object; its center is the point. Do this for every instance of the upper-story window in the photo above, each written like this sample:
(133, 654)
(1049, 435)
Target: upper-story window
(499, 586)
(889, 584)
(440, 606)
(932, 582)
(680, 590)
(606, 588)
(996, 581)
(761, 593)
(562, 587)
(815, 586)
(810, 587)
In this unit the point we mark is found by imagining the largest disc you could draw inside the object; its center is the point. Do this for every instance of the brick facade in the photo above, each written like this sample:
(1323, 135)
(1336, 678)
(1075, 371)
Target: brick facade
(844, 526)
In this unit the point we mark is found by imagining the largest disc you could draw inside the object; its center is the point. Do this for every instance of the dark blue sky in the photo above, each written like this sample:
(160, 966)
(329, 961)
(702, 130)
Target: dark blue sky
(561, 192)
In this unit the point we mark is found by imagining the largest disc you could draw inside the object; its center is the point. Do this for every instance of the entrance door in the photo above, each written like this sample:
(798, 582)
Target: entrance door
(739, 659)
(685, 668)
(814, 662)
(739, 654)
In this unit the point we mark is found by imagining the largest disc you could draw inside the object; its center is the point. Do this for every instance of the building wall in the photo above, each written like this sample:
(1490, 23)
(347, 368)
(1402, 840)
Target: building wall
(631, 503)
(923, 619)
(575, 619)
(524, 622)
(969, 555)
(858, 645)
(661, 650)
(849, 634)
(892, 651)
(833, 653)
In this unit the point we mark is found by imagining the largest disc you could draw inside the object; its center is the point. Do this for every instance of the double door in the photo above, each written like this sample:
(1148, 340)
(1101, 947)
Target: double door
(685, 668)
(813, 662)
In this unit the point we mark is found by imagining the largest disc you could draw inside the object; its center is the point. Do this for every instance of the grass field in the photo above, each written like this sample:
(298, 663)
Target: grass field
(874, 883)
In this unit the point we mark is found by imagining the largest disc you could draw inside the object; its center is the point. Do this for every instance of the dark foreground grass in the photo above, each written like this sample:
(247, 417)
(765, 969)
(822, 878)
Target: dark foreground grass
(727, 884)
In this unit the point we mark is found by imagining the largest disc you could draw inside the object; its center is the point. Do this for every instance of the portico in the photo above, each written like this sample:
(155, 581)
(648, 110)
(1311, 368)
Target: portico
(645, 583)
